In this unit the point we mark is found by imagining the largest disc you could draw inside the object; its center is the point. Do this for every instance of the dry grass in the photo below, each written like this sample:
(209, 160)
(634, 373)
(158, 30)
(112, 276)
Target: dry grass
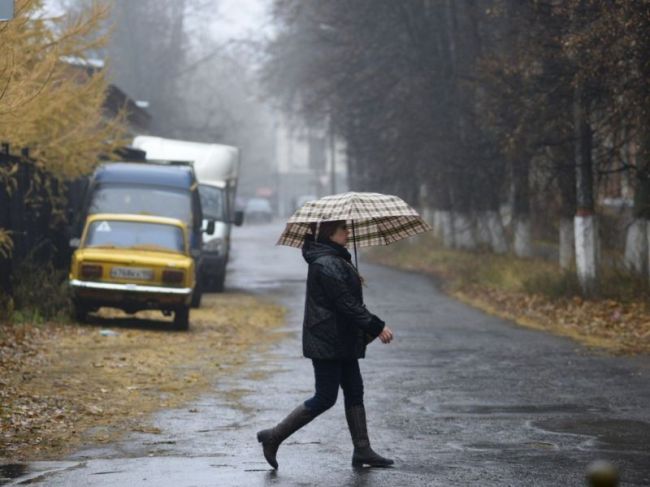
(63, 385)
(534, 293)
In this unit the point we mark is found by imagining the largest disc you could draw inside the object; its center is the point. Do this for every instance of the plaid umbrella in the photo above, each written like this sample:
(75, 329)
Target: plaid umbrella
(376, 219)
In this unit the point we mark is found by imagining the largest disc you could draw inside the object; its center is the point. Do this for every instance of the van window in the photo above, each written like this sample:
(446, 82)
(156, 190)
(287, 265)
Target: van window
(143, 200)
(212, 202)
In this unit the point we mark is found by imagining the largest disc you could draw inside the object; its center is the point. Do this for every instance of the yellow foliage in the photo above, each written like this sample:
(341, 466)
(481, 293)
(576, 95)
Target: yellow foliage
(48, 105)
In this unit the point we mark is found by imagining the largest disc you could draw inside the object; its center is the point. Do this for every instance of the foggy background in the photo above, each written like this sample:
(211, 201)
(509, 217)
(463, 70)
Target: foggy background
(195, 66)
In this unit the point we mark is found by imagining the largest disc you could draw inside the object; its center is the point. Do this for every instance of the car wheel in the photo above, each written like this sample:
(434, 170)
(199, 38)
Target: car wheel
(219, 281)
(182, 318)
(197, 294)
(80, 311)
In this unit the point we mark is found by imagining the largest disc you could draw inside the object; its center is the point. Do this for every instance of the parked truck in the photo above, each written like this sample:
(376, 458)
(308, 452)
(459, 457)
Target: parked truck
(217, 169)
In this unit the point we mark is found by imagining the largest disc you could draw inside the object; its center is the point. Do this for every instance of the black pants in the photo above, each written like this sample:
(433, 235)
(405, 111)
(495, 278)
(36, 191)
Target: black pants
(329, 375)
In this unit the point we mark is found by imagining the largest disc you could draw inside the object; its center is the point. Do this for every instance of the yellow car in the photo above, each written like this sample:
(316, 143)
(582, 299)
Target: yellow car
(133, 262)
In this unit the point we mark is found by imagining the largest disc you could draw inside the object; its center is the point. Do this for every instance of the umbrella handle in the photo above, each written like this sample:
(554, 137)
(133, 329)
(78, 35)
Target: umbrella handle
(354, 243)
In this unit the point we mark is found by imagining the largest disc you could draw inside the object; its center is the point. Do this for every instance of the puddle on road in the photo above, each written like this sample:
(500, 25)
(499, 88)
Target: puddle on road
(610, 433)
(249, 283)
(11, 471)
(519, 408)
(534, 445)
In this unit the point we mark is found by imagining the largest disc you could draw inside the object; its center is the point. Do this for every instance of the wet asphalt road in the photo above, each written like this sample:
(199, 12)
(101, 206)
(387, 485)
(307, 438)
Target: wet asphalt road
(460, 398)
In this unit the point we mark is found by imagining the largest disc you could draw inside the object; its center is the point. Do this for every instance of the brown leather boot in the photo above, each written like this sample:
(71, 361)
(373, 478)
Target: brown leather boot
(363, 454)
(272, 437)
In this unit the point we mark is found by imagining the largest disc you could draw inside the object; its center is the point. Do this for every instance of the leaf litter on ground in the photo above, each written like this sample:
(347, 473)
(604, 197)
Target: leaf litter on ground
(531, 292)
(63, 385)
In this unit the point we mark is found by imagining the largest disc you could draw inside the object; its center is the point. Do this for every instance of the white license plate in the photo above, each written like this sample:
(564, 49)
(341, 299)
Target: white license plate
(135, 273)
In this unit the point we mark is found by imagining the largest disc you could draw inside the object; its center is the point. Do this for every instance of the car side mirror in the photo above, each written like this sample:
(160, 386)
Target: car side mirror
(74, 243)
(209, 228)
(239, 218)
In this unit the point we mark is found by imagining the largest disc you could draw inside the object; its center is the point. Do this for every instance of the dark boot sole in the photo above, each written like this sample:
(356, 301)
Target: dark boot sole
(371, 465)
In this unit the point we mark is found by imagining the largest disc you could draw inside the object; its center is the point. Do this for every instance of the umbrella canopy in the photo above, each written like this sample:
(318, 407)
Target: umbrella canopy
(376, 219)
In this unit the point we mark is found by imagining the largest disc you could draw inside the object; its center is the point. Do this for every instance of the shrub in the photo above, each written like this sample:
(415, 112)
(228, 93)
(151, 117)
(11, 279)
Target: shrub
(40, 293)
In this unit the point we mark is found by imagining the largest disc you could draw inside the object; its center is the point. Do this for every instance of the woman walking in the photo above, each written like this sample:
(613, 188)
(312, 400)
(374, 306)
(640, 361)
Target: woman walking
(336, 328)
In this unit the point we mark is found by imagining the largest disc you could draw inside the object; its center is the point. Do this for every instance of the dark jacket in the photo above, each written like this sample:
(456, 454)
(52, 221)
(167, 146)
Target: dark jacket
(337, 324)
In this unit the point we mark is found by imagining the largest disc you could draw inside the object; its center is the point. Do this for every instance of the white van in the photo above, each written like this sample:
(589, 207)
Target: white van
(217, 168)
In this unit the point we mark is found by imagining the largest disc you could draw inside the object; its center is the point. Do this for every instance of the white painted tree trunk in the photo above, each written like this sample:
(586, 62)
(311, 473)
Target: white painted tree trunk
(464, 235)
(483, 228)
(647, 238)
(446, 222)
(497, 233)
(586, 241)
(636, 246)
(523, 237)
(567, 243)
(426, 213)
(437, 224)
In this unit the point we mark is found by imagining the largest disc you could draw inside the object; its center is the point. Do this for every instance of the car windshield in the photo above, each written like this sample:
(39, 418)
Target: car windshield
(143, 200)
(212, 202)
(135, 235)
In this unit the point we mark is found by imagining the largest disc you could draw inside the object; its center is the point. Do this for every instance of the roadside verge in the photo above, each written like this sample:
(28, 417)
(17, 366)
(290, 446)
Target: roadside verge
(64, 385)
(533, 293)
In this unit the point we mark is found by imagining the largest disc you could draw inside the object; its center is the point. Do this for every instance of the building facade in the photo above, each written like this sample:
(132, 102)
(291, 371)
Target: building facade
(309, 163)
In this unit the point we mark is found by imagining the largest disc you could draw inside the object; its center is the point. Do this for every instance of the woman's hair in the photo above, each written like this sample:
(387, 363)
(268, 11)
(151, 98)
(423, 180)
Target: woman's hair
(325, 229)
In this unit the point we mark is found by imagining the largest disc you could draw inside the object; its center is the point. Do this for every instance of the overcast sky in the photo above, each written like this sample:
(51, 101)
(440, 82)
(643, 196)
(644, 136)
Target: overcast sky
(233, 19)
(238, 19)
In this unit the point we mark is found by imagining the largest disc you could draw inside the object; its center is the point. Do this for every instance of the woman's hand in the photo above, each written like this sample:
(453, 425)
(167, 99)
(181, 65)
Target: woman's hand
(386, 335)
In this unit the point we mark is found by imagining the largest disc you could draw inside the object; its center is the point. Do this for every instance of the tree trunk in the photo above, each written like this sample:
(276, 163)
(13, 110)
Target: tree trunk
(482, 229)
(523, 240)
(442, 216)
(567, 243)
(463, 227)
(486, 195)
(636, 246)
(637, 243)
(447, 226)
(567, 183)
(463, 231)
(496, 232)
(489, 227)
(437, 223)
(426, 210)
(586, 236)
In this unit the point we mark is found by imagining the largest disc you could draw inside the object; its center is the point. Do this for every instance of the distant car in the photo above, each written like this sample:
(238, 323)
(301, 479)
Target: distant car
(258, 210)
(133, 262)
